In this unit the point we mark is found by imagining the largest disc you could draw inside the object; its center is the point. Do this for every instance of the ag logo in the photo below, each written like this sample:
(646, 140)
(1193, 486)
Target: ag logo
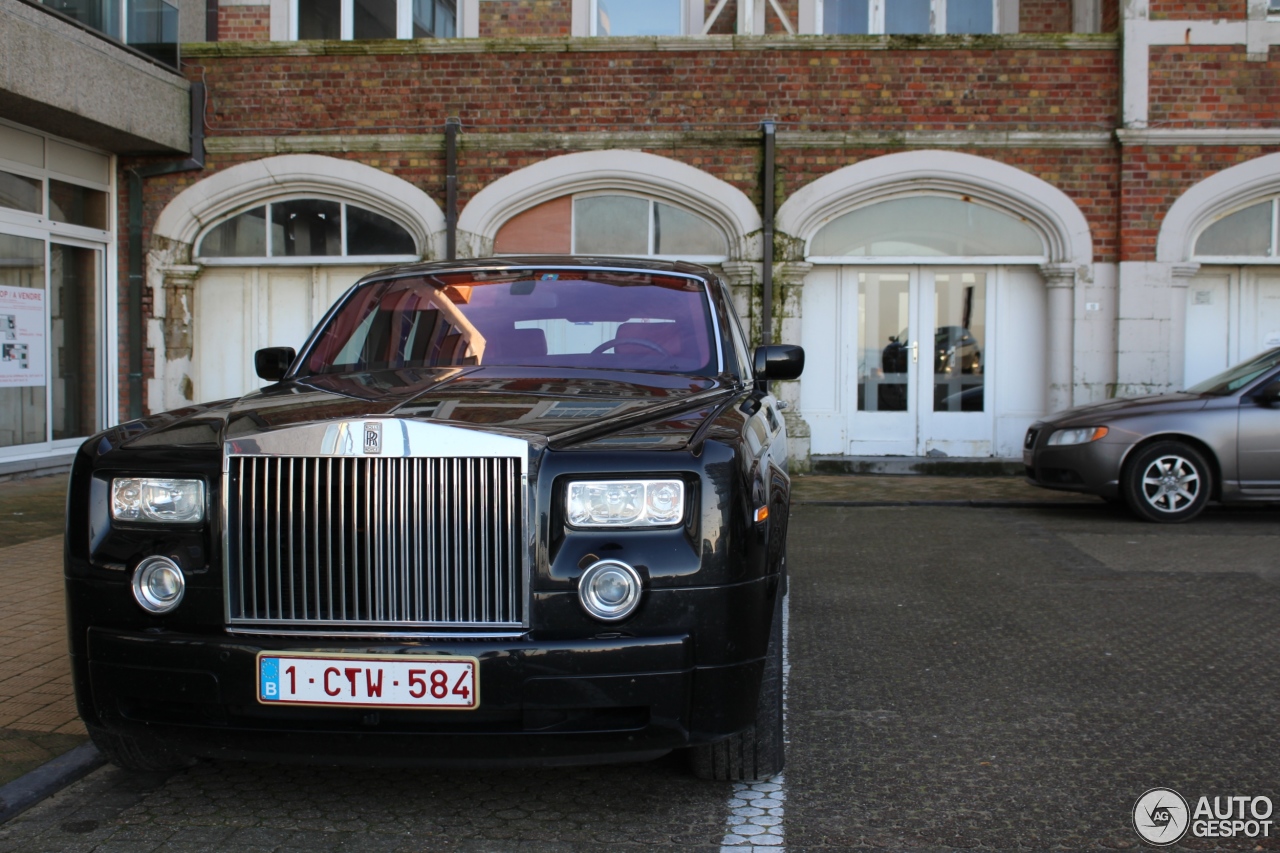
(1161, 817)
(373, 437)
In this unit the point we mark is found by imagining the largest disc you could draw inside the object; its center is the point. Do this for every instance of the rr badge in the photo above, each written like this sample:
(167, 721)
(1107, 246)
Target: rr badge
(373, 437)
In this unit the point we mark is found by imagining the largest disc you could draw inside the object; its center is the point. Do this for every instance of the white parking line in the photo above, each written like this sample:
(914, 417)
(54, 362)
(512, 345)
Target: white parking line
(756, 809)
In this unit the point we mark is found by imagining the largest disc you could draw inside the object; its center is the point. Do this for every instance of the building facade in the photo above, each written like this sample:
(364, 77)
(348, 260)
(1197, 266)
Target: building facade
(982, 210)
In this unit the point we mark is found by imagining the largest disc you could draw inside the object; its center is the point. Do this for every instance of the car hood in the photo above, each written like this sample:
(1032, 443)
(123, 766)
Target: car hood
(556, 408)
(1097, 414)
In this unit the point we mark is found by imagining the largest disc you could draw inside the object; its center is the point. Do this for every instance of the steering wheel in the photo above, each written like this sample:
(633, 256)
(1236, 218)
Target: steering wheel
(612, 343)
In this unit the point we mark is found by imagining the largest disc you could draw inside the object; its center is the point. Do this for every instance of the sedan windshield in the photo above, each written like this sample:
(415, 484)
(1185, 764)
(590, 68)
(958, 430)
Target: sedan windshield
(1235, 378)
(559, 318)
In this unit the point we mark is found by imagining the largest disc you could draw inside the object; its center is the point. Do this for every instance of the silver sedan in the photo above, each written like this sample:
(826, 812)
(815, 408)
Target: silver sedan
(1167, 456)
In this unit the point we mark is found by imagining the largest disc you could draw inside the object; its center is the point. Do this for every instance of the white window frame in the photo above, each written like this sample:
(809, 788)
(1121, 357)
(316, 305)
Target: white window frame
(41, 227)
(585, 16)
(1004, 16)
(652, 200)
(923, 260)
(1273, 251)
(286, 11)
(298, 260)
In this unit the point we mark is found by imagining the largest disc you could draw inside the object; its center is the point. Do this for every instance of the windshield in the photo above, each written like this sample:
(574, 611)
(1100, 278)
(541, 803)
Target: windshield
(558, 318)
(1235, 378)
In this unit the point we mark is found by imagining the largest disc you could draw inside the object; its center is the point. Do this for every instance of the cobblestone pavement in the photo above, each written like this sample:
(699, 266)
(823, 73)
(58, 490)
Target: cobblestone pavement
(871, 489)
(38, 718)
(959, 678)
(32, 509)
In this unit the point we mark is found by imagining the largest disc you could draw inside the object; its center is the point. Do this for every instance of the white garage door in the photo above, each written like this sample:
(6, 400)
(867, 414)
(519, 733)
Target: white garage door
(242, 309)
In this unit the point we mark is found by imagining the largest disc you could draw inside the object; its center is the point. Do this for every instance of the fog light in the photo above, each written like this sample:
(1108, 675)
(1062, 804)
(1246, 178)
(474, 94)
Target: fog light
(158, 584)
(609, 590)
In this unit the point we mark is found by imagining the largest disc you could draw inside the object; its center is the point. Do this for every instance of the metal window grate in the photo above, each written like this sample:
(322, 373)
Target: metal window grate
(374, 543)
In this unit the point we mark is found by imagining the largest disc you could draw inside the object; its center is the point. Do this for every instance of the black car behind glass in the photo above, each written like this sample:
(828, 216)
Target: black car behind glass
(505, 511)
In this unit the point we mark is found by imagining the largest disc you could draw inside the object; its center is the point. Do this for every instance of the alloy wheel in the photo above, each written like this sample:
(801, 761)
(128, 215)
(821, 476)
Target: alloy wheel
(1170, 483)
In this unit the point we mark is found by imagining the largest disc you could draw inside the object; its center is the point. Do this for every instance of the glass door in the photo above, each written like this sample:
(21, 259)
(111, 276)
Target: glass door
(23, 379)
(922, 362)
(51, 330)
(955, 414)
(888, 354)
(75, 334)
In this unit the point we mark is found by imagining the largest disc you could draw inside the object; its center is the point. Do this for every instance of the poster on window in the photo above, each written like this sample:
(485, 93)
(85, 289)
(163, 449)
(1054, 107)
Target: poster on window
(21, 337)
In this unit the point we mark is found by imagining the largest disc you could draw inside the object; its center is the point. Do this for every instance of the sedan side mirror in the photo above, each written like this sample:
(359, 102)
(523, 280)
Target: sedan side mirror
(1270, 393)
(780, 361)
(273, 363)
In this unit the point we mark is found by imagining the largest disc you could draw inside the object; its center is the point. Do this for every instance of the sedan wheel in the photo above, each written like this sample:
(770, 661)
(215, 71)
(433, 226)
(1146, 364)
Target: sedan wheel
(1168, 482)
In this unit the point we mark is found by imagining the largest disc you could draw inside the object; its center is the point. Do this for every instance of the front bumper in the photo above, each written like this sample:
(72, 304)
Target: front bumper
(580, 701)
(1092, 468)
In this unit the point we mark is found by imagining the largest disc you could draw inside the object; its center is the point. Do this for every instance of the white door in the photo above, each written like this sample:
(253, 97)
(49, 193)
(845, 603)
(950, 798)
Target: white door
(239, 310)
(1233, 313)
(910, 373)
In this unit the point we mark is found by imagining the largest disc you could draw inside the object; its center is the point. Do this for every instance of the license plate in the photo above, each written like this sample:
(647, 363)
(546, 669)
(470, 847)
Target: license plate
(383, 681)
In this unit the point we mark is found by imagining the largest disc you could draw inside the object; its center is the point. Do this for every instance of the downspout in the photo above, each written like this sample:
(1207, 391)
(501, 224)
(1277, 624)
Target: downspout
(136, 259)
(451, 128)
(766, 276)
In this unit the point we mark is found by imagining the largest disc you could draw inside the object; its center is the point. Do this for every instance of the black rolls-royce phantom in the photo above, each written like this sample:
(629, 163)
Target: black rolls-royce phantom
(527, 510)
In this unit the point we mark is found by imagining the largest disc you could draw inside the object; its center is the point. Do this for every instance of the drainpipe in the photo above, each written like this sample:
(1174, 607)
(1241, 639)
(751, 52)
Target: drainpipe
(451, 128)
(136, 260)
(766, 277)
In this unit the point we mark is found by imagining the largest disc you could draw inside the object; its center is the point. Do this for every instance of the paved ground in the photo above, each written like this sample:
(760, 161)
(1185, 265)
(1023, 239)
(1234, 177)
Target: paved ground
(37, 714)
(997, 678)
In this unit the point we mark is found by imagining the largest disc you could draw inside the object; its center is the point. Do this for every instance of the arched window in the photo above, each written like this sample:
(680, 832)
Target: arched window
(312, 230)
(612, 224)
(927, 227)
(1248, 232)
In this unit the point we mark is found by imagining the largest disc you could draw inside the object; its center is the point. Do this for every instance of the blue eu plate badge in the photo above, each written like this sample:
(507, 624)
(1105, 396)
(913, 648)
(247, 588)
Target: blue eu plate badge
(270, 675)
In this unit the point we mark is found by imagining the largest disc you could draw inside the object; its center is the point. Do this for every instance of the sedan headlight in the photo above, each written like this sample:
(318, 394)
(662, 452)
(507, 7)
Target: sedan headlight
(1080, 435)
(625, 503)
(157, 500)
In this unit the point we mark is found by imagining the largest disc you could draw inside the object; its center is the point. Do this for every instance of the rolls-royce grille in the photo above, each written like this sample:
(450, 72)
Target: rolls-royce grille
(375, 543)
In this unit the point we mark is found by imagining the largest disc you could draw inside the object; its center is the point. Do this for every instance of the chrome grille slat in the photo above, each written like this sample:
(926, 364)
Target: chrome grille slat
(432, 547)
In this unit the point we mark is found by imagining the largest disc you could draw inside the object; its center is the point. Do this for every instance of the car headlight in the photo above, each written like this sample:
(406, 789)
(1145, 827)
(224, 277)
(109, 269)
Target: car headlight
(157, 500)
(1080, 435)
(158, 584)
(609, 590)
(625, 503)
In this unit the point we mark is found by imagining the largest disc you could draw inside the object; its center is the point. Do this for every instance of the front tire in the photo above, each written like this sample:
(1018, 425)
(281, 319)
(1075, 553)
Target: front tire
(141, 755)
(1168, 482)
(759, 752)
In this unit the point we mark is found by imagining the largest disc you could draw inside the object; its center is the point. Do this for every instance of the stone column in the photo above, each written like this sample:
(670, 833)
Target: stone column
(788, 281)
(744, 285)
(179, 293)
(1180, 276)
(1060, 281)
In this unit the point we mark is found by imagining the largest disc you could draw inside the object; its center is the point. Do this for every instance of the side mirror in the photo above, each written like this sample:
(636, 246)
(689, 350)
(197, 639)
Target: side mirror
(781, 361)
(273, 363)
(1269, 394)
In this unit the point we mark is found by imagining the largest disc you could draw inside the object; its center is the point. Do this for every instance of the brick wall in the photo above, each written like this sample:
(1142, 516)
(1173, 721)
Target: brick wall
(504, 18)
(1199, 10)
(1110, 16)
(727, 23)
(1044, 16)
(772, 23)
(1154, 177)
(1213, 84)
(244, 23)
(652, 90)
